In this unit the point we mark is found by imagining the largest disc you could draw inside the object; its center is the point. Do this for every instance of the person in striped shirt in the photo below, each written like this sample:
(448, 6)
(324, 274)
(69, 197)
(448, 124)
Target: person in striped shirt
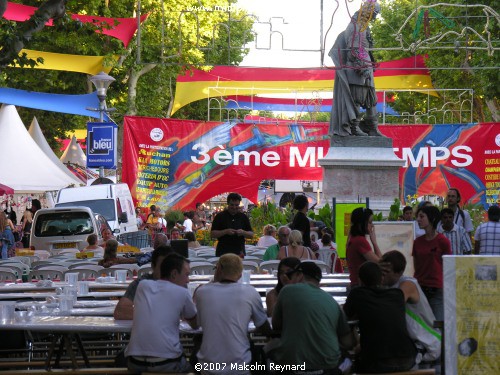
(458, 236)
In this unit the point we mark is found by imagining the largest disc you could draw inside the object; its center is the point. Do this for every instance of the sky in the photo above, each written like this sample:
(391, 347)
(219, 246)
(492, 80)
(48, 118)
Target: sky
(299, 22)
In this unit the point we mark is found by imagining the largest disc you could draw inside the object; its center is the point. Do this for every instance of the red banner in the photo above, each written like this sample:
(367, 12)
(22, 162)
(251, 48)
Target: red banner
(176, 163)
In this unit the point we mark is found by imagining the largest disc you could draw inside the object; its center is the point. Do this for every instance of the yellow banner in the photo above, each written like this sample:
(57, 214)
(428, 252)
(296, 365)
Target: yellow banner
(71, 63)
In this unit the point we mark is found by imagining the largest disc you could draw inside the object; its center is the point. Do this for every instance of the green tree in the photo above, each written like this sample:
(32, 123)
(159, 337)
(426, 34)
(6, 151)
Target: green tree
(454, 59)
(173, 39)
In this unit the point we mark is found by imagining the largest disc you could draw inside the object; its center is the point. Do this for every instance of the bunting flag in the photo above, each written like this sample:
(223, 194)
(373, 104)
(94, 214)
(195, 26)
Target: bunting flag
(71, 63)
(71, 104)
(124, 29)
(407, 73)
(293, 105)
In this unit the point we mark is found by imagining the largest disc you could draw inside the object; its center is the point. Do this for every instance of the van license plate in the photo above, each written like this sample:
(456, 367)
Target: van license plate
(64, 245)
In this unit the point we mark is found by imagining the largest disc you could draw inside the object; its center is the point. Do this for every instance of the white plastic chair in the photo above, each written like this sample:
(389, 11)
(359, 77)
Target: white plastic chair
(94, 267)
(269, 265)
(86, 273)
(320, 264)
(212, 260)
(46, 274)
(325, 255)
(250, 265)
(202, 268)
(144, 271)
(7, 275)
(131, 267)
(112, 272)
(253, 258)
(82, 265)
(22, 267)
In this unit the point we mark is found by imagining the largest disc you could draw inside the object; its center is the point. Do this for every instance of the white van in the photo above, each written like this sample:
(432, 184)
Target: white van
(65, 228)
(113, 201)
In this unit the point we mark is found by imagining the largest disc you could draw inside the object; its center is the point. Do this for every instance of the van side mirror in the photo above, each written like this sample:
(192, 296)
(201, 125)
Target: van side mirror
(123, 218)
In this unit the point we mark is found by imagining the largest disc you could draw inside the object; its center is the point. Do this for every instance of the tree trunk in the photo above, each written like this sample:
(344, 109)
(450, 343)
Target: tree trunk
(132, 86)
(492, 106)
(133, 78)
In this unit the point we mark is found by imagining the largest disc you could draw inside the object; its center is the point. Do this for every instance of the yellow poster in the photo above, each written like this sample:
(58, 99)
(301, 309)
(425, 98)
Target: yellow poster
(473, 337)
(343, 224)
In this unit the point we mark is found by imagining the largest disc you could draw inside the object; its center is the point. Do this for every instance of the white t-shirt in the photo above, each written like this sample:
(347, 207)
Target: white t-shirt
(188, 225)
(266, 241)
(158, 306)
(224, 311)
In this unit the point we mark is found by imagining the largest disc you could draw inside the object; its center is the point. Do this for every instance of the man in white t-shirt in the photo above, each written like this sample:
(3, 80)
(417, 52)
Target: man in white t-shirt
(187, 225)
(158, 305)
(225, 309)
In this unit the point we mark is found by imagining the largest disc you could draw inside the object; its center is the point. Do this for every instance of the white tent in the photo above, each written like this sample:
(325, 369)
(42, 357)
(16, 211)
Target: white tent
(23, 165)
(39, 138)
(74, 154)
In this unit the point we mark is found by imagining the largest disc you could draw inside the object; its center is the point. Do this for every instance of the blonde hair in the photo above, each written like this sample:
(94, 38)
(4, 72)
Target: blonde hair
(269, 229)
(230, 266)
(295, 238)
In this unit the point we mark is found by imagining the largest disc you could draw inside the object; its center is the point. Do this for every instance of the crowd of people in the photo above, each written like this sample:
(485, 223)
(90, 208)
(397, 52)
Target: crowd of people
(385, 325)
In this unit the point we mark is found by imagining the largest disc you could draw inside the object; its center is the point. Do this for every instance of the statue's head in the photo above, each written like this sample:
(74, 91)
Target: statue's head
(368, 11)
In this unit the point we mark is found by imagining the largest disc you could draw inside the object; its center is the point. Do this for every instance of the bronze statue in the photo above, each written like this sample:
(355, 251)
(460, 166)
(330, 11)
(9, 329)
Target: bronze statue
(354, 85)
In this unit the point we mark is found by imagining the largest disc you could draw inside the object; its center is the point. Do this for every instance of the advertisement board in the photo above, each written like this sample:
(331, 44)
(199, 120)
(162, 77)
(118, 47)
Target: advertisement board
(101, 145)
(176, 163)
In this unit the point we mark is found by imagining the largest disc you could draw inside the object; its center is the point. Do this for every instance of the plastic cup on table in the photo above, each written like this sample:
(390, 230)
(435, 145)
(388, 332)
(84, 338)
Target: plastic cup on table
(83, 288)
(7, 313)
(71, 278)
(245, 278)
(121, 276)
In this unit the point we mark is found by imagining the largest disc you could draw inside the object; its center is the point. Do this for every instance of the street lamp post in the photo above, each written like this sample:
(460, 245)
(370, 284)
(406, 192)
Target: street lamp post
(101, 82)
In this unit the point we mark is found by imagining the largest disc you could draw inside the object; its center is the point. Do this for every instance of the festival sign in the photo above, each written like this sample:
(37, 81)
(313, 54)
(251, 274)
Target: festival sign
(176, 163)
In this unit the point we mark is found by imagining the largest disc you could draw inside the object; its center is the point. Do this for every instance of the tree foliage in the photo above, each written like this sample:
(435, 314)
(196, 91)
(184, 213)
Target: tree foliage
(452, 60)
(173, 39)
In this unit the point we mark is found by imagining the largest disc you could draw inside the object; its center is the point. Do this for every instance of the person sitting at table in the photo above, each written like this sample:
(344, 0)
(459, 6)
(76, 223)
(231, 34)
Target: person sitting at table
(272, 251)
(107, 235)
(154, 344)
(92, 241)
(175, 234)
(286, 265)
(192, 243)
(111, 258)
(269, 237)
(312, 325)
(295, 248)
(385, 343)
(225, 308)
(420, 319)
(124, 309)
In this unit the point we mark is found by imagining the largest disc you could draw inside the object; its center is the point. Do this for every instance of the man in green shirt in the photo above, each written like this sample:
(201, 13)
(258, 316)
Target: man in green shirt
(272, 251)
(313, 326)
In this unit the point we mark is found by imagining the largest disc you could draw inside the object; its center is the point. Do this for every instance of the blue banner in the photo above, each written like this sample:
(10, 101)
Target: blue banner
(101, 145)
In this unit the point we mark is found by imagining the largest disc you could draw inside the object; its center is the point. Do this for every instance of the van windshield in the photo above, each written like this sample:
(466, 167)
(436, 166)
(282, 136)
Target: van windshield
(105, 207)
(63, 224)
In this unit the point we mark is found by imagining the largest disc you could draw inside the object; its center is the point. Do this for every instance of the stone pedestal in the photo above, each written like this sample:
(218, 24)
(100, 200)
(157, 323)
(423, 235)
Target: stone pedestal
(358, 167)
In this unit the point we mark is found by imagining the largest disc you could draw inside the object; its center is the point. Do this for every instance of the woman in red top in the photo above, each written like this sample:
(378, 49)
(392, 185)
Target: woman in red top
(358, 248)
(428, 251)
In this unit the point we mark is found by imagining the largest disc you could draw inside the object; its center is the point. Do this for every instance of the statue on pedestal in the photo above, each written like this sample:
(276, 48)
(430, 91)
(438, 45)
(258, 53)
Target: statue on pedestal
(354, 85)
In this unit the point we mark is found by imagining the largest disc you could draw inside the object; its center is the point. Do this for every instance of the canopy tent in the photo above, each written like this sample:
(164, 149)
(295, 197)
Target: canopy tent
(74, 154)
(39, 138)
(23, 165)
